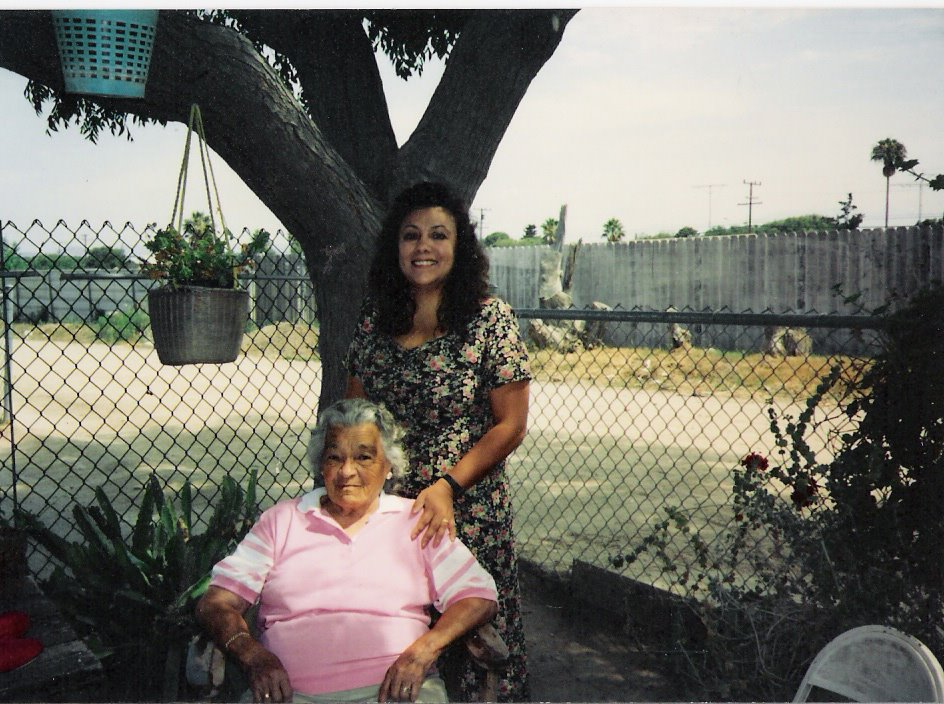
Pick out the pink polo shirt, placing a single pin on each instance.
(338, 610)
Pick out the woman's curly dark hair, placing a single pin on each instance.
(467, 284)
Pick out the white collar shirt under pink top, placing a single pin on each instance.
(337, 609)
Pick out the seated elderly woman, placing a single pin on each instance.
(343, 592)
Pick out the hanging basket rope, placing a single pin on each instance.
(196, 122)
(197, 324)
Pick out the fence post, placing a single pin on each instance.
(6, 413)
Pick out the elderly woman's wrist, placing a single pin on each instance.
(233, 638)
(242, 647)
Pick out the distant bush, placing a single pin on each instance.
(121, 326)
(495, 238)
(102, 257)
(524, 242)
(800, 223)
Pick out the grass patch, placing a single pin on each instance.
(294, 342)
(57, 332)
(693, 371)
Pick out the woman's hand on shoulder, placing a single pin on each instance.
(437, 516)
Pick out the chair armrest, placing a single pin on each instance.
(486, 647)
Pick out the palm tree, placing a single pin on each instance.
(613, 230)
(890, 152)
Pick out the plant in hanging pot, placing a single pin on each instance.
(199, 314)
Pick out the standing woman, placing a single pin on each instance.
(447, 360)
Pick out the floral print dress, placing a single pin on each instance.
(439, 392)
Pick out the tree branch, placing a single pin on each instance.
(252, 120)
(494, 60)
(341, 85)
(28, 46)
(908, 165)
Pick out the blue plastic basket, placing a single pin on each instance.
(105, 52)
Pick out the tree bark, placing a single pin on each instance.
(326, 175)
(491, 66)
(355, 118)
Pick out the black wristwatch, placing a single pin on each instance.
(457, 489)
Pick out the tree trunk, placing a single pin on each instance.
(314, 169)
(888, 185)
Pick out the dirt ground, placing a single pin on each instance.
(596, 468)
(575, 657)
(91, 415)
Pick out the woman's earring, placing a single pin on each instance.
(389, 475)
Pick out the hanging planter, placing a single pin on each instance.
(105, 52)
(199, 314)
(197, 325)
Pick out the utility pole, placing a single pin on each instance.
(751, 202)
(710, 186)
(482, 222)
(920, 186)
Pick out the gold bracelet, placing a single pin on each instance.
(238, 634)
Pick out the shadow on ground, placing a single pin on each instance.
(573, 657)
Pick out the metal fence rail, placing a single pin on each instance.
(617, 431)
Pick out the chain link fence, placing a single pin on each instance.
(647, 410)
(86, 402)
(623, 437)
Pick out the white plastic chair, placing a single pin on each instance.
(875, 664)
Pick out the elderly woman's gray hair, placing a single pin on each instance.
(356, 411)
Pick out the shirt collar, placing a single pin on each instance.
(311, 501)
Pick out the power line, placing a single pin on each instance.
(920, 186)
(751, 202)
(710, 186)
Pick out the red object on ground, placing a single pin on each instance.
(13, 624)
(18, 651)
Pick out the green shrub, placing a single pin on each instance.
(819, 548)
(132, 596)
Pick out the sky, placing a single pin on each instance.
(655, 116)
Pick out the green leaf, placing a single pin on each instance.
(193, 592)
(96, 539)
(143, 532)
(250, 504)
(137, 598)
(111, 524)
(59, 548)
(186, 506)
(168, 522)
